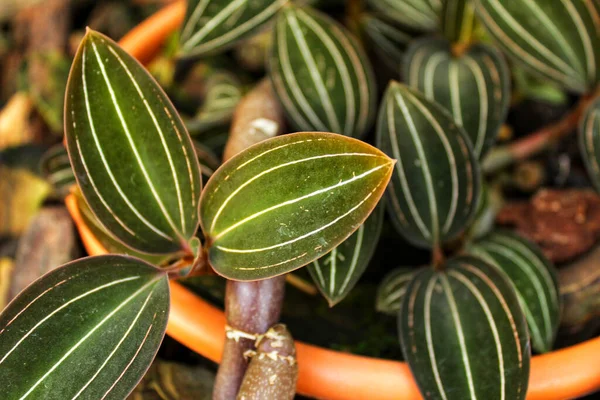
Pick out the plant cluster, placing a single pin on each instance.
(467, 322)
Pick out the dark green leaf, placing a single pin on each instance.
(557, 39)
(287, 201)
(458, 20)
(463, 333)
(535, 280)
(338, 272)
(89, 329)
(416, 14)
(589, 141)
(212, 26)
(392, 289)
(436, 183)
(320, 74)
(474, 88)
(131, 154)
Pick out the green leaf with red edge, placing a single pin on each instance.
(287, 201)
(89, 329)
(131, 154)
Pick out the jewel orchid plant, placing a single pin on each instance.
(467, 321)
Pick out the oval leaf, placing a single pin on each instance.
(392, 289)
(463, 333)
(589, 141)
(416, 14)
(557, 39)
(287, 201)
(131, 154)
(474, 88)
(535, 280)
(89, 329)
(458, 20)
(211, 26)
(320, 74)
(338, 272)
(436, 182)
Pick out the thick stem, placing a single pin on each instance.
(251, 308)
(536, 142)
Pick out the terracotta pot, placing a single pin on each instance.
(328, 374)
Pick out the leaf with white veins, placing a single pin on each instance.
(132, 157)
(336, 273)
(87, 330)
(287, 201)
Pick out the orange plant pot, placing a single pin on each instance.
(323, 373)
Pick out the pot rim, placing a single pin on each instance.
(324, 373)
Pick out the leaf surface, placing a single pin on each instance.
(436, 183)
(589, 141)
(463, 333)
(212, 26)
(132, 157)
(474, 88)
(89, 329)
(535, 279)
(392, 289)
(321, 75)
(289, 200)
(559, 40)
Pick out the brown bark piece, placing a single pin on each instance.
(564, 223)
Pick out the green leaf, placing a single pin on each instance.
(320, 74)
(436, 183)
(458, 20)
(287, 201)
(557, 39)
(89, 329)
(589, 138)
(463, 333)
(211, 26)
(56, 168)
(336, 273)
(131, 154)
(392, 289)
(535, 280)
(416, 14)
(474, 88)
(388, 41)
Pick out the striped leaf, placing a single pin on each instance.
(320, 74)
(458, 20)
(56, 168)
(336, 273)
(463, 333)
(416, 14)
(289, 200)
(535, 280)
(436, 183)
(589, 141)
(388, 41)
(87, 330)
(557, 39)
(392, 289)
(211, 26)
(474, 88)
(133, 159)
